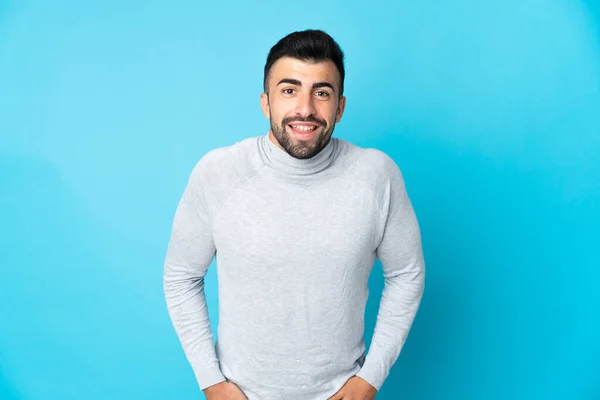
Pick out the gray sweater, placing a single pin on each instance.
(295, 242)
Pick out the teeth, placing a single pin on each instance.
(304, 128)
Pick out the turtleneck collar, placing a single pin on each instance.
(283, 162)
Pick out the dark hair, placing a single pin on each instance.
(310, 45)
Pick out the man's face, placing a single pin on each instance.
(303, 105)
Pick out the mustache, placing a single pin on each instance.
(289, 120)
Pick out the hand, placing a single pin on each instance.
(356, 388)
(224, 391)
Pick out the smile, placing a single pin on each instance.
(304, 132)
(304, 128)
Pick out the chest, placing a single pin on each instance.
(292, 232)
(293, 255)
(296, 219)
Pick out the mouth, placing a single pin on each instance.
(304, 130)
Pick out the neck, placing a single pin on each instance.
(281, 160)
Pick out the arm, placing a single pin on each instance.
(190, 252)
(401, 256)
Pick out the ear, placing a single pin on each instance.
(340, 110)
(264, 105)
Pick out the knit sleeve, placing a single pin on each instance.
(190, 252)
(400, 252)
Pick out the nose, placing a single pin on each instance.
(305, 106)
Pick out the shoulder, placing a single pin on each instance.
(221, 169)
(238, 156)
(370, 165)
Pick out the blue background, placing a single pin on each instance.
(491, 109)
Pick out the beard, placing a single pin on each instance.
(302, 149)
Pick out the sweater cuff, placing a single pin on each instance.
(373, 371)
(208, 376)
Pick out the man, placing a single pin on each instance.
(296, 220)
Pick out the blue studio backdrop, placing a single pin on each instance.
(490, 108)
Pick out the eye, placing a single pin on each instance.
(288, 91)
(322, 93)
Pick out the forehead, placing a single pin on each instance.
(304, 71)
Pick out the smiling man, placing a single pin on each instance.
(296, 220)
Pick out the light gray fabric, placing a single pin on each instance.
(295, 242)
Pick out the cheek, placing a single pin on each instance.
(329, 113)
(280, 111)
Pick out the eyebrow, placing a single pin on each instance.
(315, 85)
